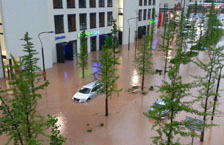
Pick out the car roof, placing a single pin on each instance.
(160, 102)
(90, 85)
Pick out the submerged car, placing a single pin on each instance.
(88, 91)
(159, 115)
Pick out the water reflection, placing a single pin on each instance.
(155, 43)
(66, 75)
(169, 57)
(61, 122)
(135, 78)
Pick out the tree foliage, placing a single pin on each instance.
(108, 74)
(114, 39)
(83, 53)
(19, 119)
(167, 39)
(144, 59)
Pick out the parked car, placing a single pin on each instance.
(159, 115)
(88, 91)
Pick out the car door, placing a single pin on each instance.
(94, 92)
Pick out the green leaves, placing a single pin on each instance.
(83, 53)
(108, 71)
(144, 58)
(19, 119)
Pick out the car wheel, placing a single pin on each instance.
(88, 99)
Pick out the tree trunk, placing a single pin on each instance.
(83, 72)
(206, 104)
(216, 96)
(166, 59)
(171, 128)
(106, 106)
(143, 81)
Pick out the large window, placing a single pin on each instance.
(150, 2)
(154, 2)
(82, 3)
(145, 2)
(92, 20)
(140, 2)
(109, 3)
(71, 23)
(144, 14)
(139, 15)
(92, 3)
(101, 19)
(59, 24)
(101, 3)
(57, 4)
(109, 18)
(149, 14)
(70, 3)
(82, 20)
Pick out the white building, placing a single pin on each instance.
(67, 18)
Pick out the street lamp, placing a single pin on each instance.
(42, 51)
(130, 30)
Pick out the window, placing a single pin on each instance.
(70, 3)
(144, 15)
(82, 3)
(57, 4)
(71, 23)
(101, 19)
(92, 20)
(140, 2)
(82, 20)
(101, 3)
(145, 2)
(92, 3)
(139, 15)
(150, 2)
(59, 24)
(109, 3)
(154, 2)
(109, 18)
(149, 14)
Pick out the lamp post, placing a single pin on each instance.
(130, 30)
(42, 52)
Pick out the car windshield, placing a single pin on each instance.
(158, 105)
(84, 90)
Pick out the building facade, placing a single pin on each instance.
(68, 19)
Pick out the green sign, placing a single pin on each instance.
(153, 21)
(89, 34)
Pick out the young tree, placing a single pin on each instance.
(175, 92)
(83, 53)
(220, 59)
(144, 59)
(20, 120)
(192, 35)
(108, 72)
(167, 41)
(115, 42)
(207, 85)
(195, 7)
(152, 30)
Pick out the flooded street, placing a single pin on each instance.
(126, 124)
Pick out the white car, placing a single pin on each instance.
(88, 91)
(158, 115)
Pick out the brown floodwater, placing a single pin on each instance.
(126, 124)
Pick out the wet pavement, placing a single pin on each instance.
(126, 124)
